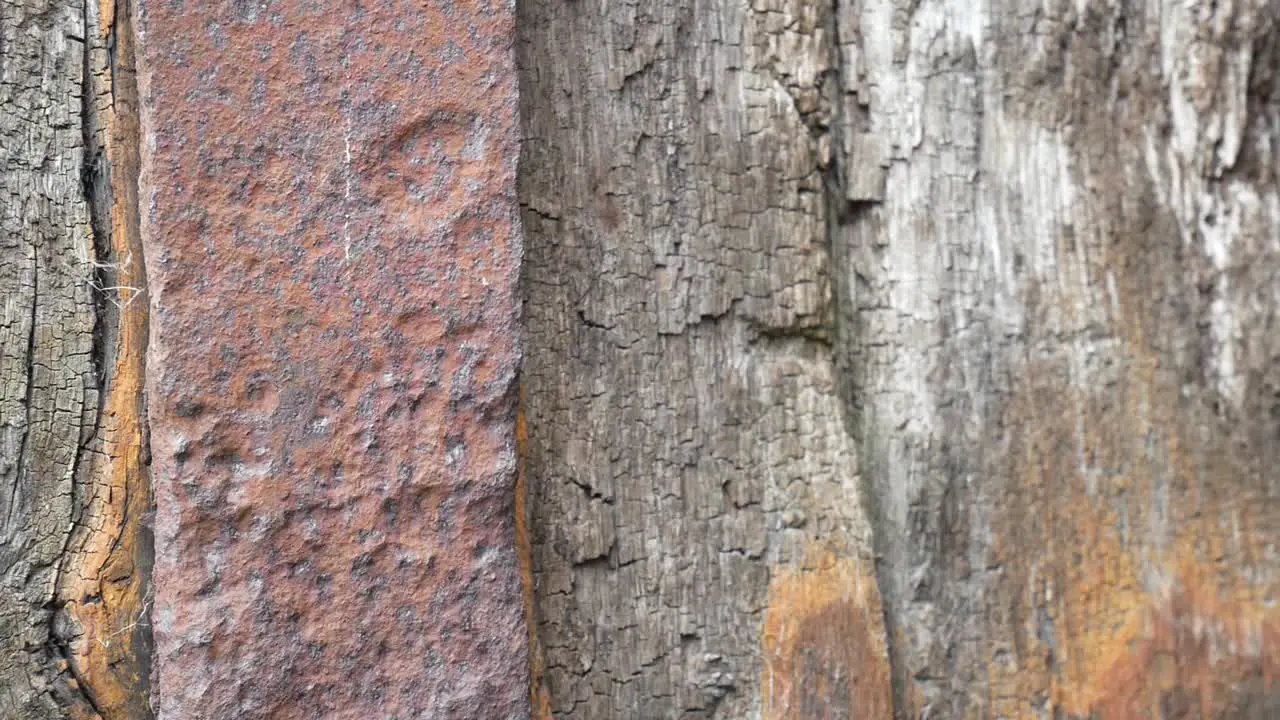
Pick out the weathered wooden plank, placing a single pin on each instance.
(1054, 236)
(699, 542)
(1060, 319)
(48, 391)
(332, 245)
(105, 587)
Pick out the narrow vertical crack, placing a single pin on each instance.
(20, 467)
(61, 637)
(55, 360)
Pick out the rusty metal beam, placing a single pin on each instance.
(331, 236)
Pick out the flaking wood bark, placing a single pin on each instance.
(1016, 262)
(73, 630)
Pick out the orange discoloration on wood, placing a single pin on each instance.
(1204, 652)
(824, 643)
(106, 586)
(539, 699)
(107, 17)
(1133, 577)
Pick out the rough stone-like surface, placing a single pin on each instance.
(332, 243)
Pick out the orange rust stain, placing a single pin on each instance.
(106, 16)
(540, 700)
(1202, 653)
(1132, 583)
(106, 582)
(824, 648)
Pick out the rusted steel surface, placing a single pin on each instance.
(332, 246)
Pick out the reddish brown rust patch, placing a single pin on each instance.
(331, 233)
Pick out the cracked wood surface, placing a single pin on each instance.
(106, 591)
(74, 560)
(48, 388)
(1050, 236)
(989, 289)
(1059, 305)
(698, 537)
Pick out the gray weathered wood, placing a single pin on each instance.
(1059, 320)
(48, 397)
(694, 491)
(1037, 283)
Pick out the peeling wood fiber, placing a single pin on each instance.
(332, 245)
(1058, 318)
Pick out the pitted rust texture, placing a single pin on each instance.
(332, 242)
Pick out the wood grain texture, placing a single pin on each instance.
(106, 588)
(688, 458)
(1058, 317)
(48, 388)
(989, 287)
